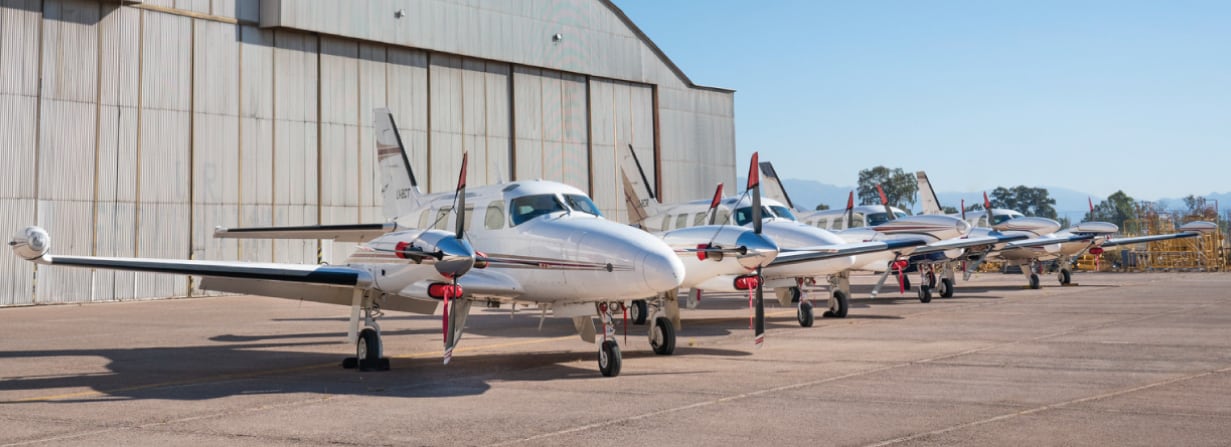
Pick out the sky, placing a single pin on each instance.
(1096, 96)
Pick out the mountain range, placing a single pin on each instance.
(806, 194)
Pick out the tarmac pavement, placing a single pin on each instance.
(1121, 359)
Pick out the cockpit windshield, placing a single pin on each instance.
(875, 219)
(743, 216)
(1001, 218)
(783, 212)
(582, 204)
(525, 208)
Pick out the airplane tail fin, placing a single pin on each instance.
(772, 186)
(400, 188)
(638, 195)
(927, 195)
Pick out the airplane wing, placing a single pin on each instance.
(806, 254)
(1144, 239)
(340, 233)
(1049, 240)
(974, 241)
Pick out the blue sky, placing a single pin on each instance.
(1094, 96)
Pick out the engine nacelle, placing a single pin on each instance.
(31, 243)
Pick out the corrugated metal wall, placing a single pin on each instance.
(157, 122)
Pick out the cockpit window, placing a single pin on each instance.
(899, 214)
(529, 207)
(783, 212)
(1000, 218)
(744, 215)
(875, 219)
(582, 203)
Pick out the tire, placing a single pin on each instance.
(925, 295)
(368, 351)
(638, 311)
(839, 304)
(946, 288)
(609, 359)
(796, 294)
(1034, 281)
(1065, 276)
(662, 337)
(803, 314)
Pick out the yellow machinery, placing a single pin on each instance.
(1207, 252)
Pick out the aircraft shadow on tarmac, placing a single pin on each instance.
(233, 368)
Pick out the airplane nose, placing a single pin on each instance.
(662, 270)
(761, 250)
(456, 257)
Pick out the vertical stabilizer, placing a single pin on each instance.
(399, 187)
(638, 195)
(927, 195)
(771, 185)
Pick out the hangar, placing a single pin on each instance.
(134, 128)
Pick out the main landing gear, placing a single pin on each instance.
(368, 353)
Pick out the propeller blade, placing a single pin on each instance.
(713, 211)
(885, 202)
(460, 207)
(850, 210)
(760, 311)
(754, 188)
(987, 208)
(963, 209)
(444, 325)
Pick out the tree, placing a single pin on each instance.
(822, 207)
(949, 210)
(1026, 200)
(899, 186)
(1116, 209)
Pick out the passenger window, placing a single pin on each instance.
(723, 216)
(442, 219)
(494, 219)
(700, 219)
(423, 217)
(681, 221)
(666, 221)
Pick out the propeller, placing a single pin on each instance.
(713, 211)
(754, 188)
(459, 207)
(963, 209)
(850, 210)
(987, 207)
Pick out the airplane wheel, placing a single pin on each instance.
(925, 295)
(839, 303)
(1034, 281)
(796, 294)
(1065, 276)
(609, 359)
(638, 312)
(946, 288)
(662, 338)
(803, 313)
(367, 351)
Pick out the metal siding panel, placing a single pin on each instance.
(18, 135)
(121, 50)
(20, 22)
(408, 101)
(339, 80)
(68, 223)
(474, 99)
(602, 118)
(159, 235)
(66, 151)
(372, 93)
(166, 62)
(256, 250)
(446, 122)
(294, 158)
(294, 251)
(16, 274)
(113, 228)
(216, 163)
(215, 77)
(497, 91)
(256, 72)
(295, 77)
(339, 166)
(70, 50)
(256, 161)
(164, 157)
(528, 105)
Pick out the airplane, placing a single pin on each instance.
(1050, 243)
(805, 252)
(545, 243)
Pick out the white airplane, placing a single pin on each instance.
(806, 252)
(545, 242)
(1049, 241)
